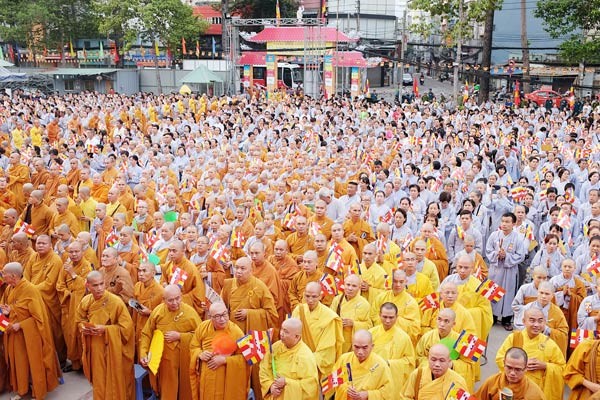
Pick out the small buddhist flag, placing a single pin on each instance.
(334, 258)
(238, 240)
(212, 296)
(456, 393)
(22, 226)
(431, 301)
(470, 346)
(491, 290)
(315, 228)
(328, 284)
(179, 277)
(332, 381)
(594, 266)
(579, 335)
(4, 323)
(112, 238)
(246, 345)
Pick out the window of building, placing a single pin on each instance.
(89, 86)
(215, 20)
(69, 85)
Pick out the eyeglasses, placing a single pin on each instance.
(220, 316)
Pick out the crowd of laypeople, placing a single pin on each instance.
(286, 247)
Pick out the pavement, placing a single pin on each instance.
(445, 88)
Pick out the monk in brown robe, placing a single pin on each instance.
(266, 272)
(64, 216)
(71, 289)
(308, 273)
(217, 373)
(28, 344)
(99, 189)
(21, 249)
(436, 252)
(54, 180)
(43, 270)
(177, 321)
(110, 173)
(101, 226)
(192, 287)
(251, 305)
(357, 231)
(7, 231)
(129, 252)
(300, 242)
(320, 222)
(7, 197)
(18, 175)
(582, 372)
(149, 294)
(513, 377)
(286, 267)
(107, 336)
(38, 214)
(116, 278)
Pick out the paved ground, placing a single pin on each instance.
(438, 88)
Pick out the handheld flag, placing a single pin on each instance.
(579, 335)
(4, 323)
(334, 258)
(212, 296)
(183, 46)
(332, 381)
(431, 301)
(277, 12)
(594, 266)
(179, 277)
(246, 345)
(22, 226)
(238, 240)
(456, 393)
(328, 284)
(112, 238)
(470, 346)
(491, 290)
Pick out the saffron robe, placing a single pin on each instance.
(372, 375)
(409, 317)
(428, 388)
(396, 348)
(358, 310)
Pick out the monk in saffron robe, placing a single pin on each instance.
(319, 222)
(28, 344)
(436, 252)
(107, 340)
(286, 268)
(570, 292)
(322, 329)
(177, 321)
(353, 309)
(300, 242)
(446, 321)
(116, 278)
(149, 294)
(372, 274)
(433, 380)
(216, 371)
(557, 328)
(357, 231)
(409, 317)
(582, 373)
(309, 273)
(21, 249)
(371, 375)
(100, 228)
(192, 287)
(424, 265)
(297, 376)
(64, 216)
(99, 189)
(546, 361)
(478, 306)
(448, 296)
(513, 377)
(393, 345)
(71, 289)
(43, 271)
(264, 271)
(251, 305)
(129, 252)
(18, 175)
(37, 214)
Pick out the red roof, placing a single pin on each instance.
(298, 34)
(252, 58)
(208, 12)
(349, 59)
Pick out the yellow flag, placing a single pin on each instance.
(156, 47)
(71, 51)
(155, 351)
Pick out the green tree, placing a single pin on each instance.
(162, 21)
(580, 21)
(263, 8)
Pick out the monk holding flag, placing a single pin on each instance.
(369, 375)
(321, 328)
(217, 368)
(353, 309)
(177, 321)
(107, 337)
(28, 345)
(289, 371)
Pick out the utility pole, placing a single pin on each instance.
(357, 15)
(402, 50)
(486, 54)
(525, 46)
(458, 61)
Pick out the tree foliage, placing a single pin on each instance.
(579, 20)
(448, 11)
(264, 8)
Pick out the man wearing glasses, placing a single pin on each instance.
(513, 378)
(217, 368)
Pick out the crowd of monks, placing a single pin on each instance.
(161, 230)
